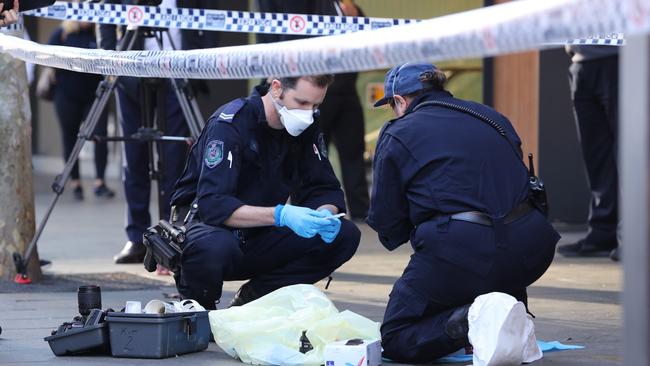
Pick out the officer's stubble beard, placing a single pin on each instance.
(272, 116)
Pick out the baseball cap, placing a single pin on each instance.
(404, 79)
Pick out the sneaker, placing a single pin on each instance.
(104, 191)
(78, 193)
(584, 249)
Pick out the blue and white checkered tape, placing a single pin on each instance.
(13, 29)
(612, 39)
(213, 20)
(505, 28)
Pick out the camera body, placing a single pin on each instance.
(163, 243)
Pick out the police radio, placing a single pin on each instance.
(537, 188)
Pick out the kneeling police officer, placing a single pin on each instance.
(449, 177)
(252, 156)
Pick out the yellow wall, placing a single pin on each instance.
(467, 85)
(418, 9)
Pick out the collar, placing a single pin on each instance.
(430, 95)
(256, 101)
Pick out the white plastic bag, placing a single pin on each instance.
(267, 331)
(501, 332)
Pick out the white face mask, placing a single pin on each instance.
(295, 121)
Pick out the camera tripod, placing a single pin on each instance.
(147, 133)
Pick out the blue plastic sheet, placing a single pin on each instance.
(554, 346)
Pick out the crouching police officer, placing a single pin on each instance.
(252, 156)
(449, 176)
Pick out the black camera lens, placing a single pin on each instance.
(89, 297)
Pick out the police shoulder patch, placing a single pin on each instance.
(213, 154)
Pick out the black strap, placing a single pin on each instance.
(480, 116)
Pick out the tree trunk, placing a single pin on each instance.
(16, 188)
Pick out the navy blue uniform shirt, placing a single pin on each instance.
(239, 160)
(441, 161)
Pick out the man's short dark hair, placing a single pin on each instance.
(320, 81)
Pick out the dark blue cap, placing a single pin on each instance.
(404, 79)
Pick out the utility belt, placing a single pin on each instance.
(481, 218)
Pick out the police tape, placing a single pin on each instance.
(13, 29)
(611, 39)
(213, 20)
(510, 27)
(237, 21)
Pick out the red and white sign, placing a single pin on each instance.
(297, 23)
(135, 15)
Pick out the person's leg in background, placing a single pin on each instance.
(608, 92)
(174, 153)
(137, 185)
(70, 115)
(349, 138)
(594, 90)
(342, 122)
(101, 152)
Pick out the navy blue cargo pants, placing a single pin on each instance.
(454, 262)
(271, 259)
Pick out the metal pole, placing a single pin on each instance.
(635, 170)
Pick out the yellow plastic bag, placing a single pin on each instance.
(267, 331)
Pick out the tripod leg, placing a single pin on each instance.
(104, 91)
(189, 106)
(186, 98)
(161, 124)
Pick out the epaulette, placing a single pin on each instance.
(230, 110)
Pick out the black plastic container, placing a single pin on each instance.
(91, 340)
(158, 335)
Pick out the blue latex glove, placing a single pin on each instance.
(329, 232)
(303, 221)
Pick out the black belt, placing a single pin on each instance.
(481, 218)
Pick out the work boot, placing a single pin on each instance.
(615, 254)
(457, 325)
(131, 253)
(245, 295)
(583, 248)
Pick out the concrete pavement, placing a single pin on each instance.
(577, 301)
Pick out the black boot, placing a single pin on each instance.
(131, 253)
(457, 326)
